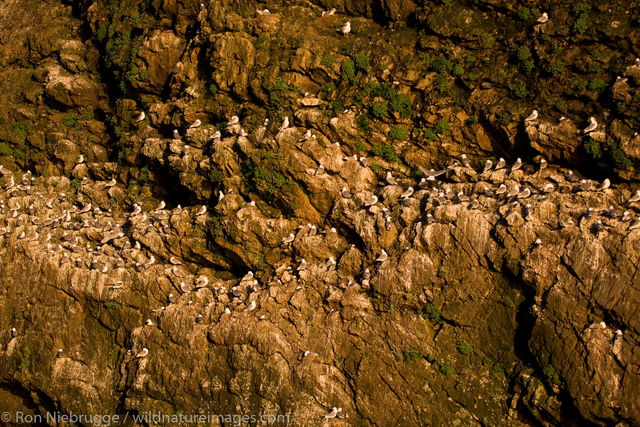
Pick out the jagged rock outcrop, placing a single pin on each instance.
(306, 256)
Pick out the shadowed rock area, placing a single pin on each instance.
(235, 208)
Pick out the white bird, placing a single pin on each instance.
(141, 117)
(517, 165)
(524, 194)
(333, 413)
(371, 200)
(544, 18)
(308, 353)
(175, 261)
(390, 179)
(202, 281)
(142, 353)
(263, 12)
(80, 159)
(302, 265)
(136, 209)
(284, 125)
(382, 257)
(501, 163)
(247, 276)
(319, 170)
(487, 166)
(532, 116)
(176, 134)
(195, 124)
(465, 161)
(344, 192)
(593, 124)
(202, 210)
(161, 205)
(251, 306)
(346, 28)
(289, 239)
(234, 120)
(110, 183)
(635, 197)
(605, 184)
(329, 12)
(543, 164)
(409, 191)
(149, 322)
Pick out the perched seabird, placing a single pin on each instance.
(202, 210)
(514, 191)
(141, 117)
(371, 200)
(329, 12)
(605, 184)
(302, 265)
(308, 353)
(543, 18)
(234, 120)
(584, 185)
(198, 318)
(548, 188)
(202, 281)
(572, 177)
(346, 28)
(524, 193)
(142, 353)
(195, 124)
(161, 205)
(333, 413)
(635, 198)
(543, 164)
(263, 12)
(597, 227)
(461, 197)
(289, 239)
(532, 116)
(593, 124)
(408, 192)
(382, 257)
(171, 298)
(284, 125)
(175, 261)
(634, 225)
(176, 134)
(588, 213)
(136, 209)
(59, 353)
(319, 170)
(465, 161)
(251, 306)
(390, 179)
(110, 183)
(14, 332)
(487, 166)
(247, 276)
(501, 163)
(344, 192)
(517, 165)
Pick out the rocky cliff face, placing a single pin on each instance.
(225, 209)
